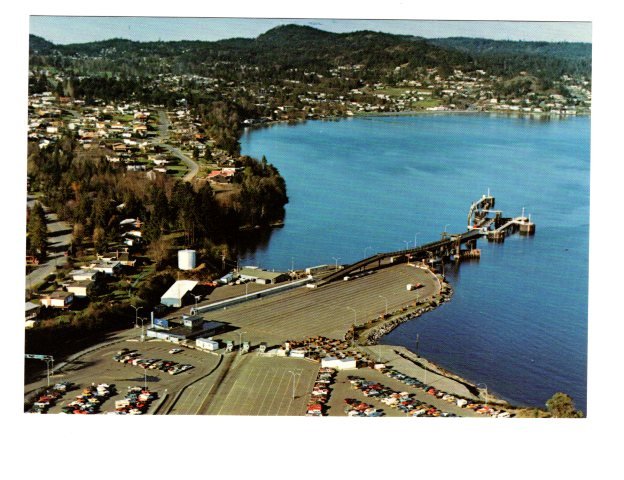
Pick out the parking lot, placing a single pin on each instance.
(342, 389)
(99, 367)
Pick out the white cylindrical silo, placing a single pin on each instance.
(186, 259)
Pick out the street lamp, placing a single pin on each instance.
(142, 329)
(293, 378)
(136, 315)
(371, 248)
(336, 259)
(406, 244)
(415, 238)
(386, 299)
(197, 297)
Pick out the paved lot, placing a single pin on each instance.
(342, 389)
(99, 367)
(264, 386)
(327, 311)
(228, 384)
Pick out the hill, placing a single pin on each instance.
(295, 46)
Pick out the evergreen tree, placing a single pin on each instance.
(37, 231)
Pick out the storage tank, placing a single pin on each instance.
(186, 259)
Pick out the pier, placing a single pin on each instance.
(480, 224)
(508, 226)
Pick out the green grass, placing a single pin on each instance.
(426, 103)
(123, 118)
(177, 170)
(391, 91)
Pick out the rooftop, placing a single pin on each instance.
(180, 288)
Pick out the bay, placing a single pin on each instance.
(518, 319)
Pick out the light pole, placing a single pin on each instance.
(293, 378)
(142, 330)
(336, 259)
(386, 299)
(196, 300)
(406, 244)
(136, 315)
(371, 248)
(240, 342)
(415, 238)
(444, 233)
(486, 392)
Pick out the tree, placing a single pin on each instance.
(160, 250)
(78, 234)
(183, 202)
(37, 231)
(561, 405)
(99, 239)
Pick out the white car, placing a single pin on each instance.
(175, 350)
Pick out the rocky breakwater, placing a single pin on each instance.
(370, 333)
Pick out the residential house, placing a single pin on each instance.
(57, 299)
(84, 275)
(81, 289)
(106, 267)
(224, 175)
(119, 147)
(32, 310)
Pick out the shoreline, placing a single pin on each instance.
(371, 336)
(409, 113)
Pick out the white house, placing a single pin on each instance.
(58, 299)
(106, 267)
(82, 275)
(31, 311)
(80, 289)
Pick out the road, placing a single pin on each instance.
(59, 238)
(163, 134)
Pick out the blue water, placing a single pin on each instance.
(518, 319)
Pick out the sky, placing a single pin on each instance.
(76, 29)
